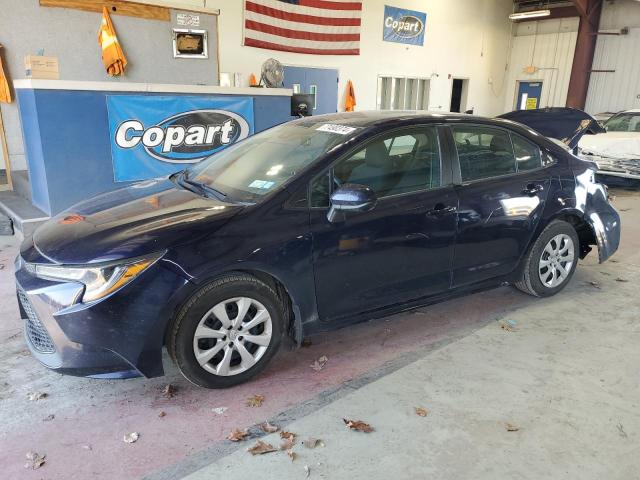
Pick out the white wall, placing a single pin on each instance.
(612, 92)
(464, 38)
(549, 46)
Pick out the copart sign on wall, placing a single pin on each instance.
(155, 136)
(404, 26)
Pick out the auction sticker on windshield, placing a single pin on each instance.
(335, 128)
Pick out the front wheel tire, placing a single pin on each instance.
(551, 261)
(227, 332)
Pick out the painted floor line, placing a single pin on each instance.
(209, 455)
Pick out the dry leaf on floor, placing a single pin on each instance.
(319, 363)
(291, 454)
(305, 343)
(34, 460)
(131, 437)
(289, 439)
(606, 274)
(219, 410)
(162, 414)
(169, 391)
(288, 443)
(621, 430)
(266, 427)
(613, 260)
(261, 448)
(48, 418)
(506, 327)
(594, 284)
(35, 396)
(237, 435)
(621, 280)
(421, 412)
(358, 425)
(307, 471)
(511, 427)
(313, 442)
(255, 401)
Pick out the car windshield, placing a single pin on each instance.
(624, 122)
(252, 168)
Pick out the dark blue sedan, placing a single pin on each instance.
(305, 227)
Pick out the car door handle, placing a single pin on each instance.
(441, 209)
(533, 188)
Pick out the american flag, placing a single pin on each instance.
(317, 27)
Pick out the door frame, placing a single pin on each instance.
(465, 92)
(321, 68)
(5, 155)
(516, 98)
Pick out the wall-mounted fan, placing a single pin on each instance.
(272, 74)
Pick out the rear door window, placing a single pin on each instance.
(527, 154)
(483, 152)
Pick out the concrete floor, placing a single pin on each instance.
(567, 376)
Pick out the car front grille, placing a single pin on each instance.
(37, 333)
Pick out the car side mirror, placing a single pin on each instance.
(350, 198)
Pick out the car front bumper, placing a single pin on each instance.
(120, 336)
(612, 169)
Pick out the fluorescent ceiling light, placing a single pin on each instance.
(531, 14)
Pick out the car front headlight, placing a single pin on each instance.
(98, 281)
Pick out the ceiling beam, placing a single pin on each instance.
(582, 6)
(588, 9)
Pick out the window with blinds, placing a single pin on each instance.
(403, 93)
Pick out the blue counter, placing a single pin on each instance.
(66, 132)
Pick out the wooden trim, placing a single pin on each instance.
(176, 5)
(115, 7)
(218, 47)
(5, 152)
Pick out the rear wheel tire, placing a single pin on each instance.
(227, 332)
(551, 261)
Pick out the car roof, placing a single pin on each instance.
(373, 118)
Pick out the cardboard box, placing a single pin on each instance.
(41, 67)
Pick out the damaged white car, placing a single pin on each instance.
(614, 146)
(617, 151)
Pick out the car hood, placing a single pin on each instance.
(622, 145)
(565, 124)
(138, 220)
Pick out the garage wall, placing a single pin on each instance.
(549, 46)
(620, 90)
(72, 36)
(464, 38)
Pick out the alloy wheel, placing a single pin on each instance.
(232, 336)
(556, 261)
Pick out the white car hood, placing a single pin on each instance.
(622, 145)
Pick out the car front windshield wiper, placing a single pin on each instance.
(203, 188)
